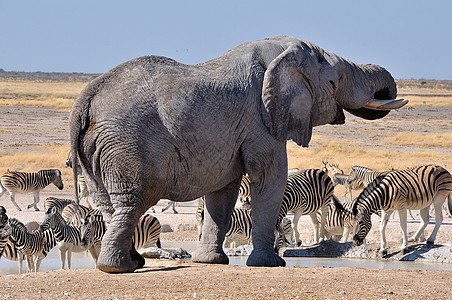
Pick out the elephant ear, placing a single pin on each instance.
(288, 92)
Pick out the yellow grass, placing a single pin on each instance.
(442, 140)
(349, 155)
(46, 158)
(52, 94)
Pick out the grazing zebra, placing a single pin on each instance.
(306, 192)
(68, 237)
(30, 245)
(342, 179)
(413, 188)
(239, 230)
(339, 220)
(171, 203)
(20, 182)
(83, 192)
(146, 233)
(200, 216)
(284, 238)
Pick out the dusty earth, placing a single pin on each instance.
(175, 279)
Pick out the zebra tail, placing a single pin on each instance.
(158, 243)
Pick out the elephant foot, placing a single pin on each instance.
(265, 259)
(210, 256)
(115, 261)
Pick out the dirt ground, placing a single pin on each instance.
(173, 279)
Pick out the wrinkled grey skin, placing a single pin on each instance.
(153, 128)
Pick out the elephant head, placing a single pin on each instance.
(306, 86)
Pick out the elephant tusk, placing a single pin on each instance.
(378, 104)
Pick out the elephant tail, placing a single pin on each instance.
(79, 121)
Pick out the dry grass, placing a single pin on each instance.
(54, 94)
(348, 155)
(438, 140)
(49, 158)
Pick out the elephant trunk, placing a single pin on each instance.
(369, 89)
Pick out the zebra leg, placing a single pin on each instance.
(383, 222)
(315, 225)
(403, 225)
(35, 201)
(94, 252)
(324, 211)
(174, 207)
(438, 203)
(63, 257)
(12, 197)
(20, 260)
(217, 215)
(296, 233)
(418, 236)
(345, 234)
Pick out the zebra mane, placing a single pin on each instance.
(366, 192)
(49, 172)
(338, 204)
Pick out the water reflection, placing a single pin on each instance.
(84, 260)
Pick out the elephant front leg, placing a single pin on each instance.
(217, 215)
(265, 207)
(115, 254)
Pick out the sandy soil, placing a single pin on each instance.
(172, 279)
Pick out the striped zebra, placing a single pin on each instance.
(239, 229)
(20, 182)
(146, 233)
(339, 220)
(73, 214)
(59, 203)
(364, 174)
(28, 245)
(306, 192)
(68, 237)
(199, 215)
(83, 192)
(414, 188)
(245, 190)
(342, 179)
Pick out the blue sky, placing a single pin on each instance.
(412, 39)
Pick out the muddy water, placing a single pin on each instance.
(84, 260)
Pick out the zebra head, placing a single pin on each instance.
(87, 231)
(57, 180)
(283, 234)
(3, 217)
(13, 228)
(50, 219)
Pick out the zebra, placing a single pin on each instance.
(342, 179)
(73, 214)
(306, 192)
(68, 237)
(59, 203)
(20, 182)
(412, 188)
(83, 192)
(339, 220)
(199, 215)
(239, 229)
(146, 233)
(364, 174)
(171, 203)
(245, 190)
(28, 245)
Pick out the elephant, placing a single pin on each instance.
(153, 128)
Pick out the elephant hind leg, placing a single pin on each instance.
(217, 214)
